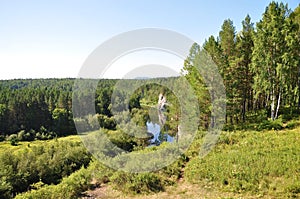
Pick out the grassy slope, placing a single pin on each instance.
(243, 165)
(260, 163)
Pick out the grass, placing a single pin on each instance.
(5, 145)
(260, 163)
(244, 164)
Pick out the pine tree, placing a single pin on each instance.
(242, 81)
(192, 73)
(227, 38)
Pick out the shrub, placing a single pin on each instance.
(271, 125)
(70, 187)
(137, 183)
(42, 163)
(2, 138)
(292, 124)
(145, 183)
(294, 189)
(13, 139)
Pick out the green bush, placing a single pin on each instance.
(100, 173)
(294, 189)
(13, 139)
(70, 187)
(2, 138)
(122, 140)
(292, 124)
(137, 183)
(106, 122)
(271, 125)
(45, 162)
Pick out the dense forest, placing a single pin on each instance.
(260, 67)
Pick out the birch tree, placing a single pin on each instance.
(273, 62)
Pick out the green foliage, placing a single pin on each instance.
(137, 183)
(259, 66)
(44, 162)
(274, 60)
(63, 120)
(122, 140)
(174, 171)
(271, 125)
(293, 189)
(2, 138)
(106, 122)
(293, 124)
(69, 188)
(13, 139)
(255, 162)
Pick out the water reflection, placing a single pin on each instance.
(158, 136)
(155, 128)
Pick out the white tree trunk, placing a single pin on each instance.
(272, 105)
(278, 104)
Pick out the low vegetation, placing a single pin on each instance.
(244, 163)
(34, 164)
(262, 163)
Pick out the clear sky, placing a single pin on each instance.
(44, 39)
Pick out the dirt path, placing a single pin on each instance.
(183, 190)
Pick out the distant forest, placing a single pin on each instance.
(42, 108)
(260, 67)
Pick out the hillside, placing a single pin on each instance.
(245, 164)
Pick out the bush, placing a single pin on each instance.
(271, 125)
(121, 140)
(45, 135)
(2, 138)
(293, 189)
(70, 187)
(100, 173)
(106, 122)
(26, 136)
(293, 124)
(42, 163)
(13, 139)
(137, 183)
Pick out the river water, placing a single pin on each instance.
(158, 136)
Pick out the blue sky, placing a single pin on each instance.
(40, 39)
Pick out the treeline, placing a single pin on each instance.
(42, 108)
(260, 65)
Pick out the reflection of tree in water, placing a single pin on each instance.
(155, 128)
(162, 102)
(162, 117)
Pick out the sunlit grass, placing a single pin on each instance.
(265, 163)
(5, 145)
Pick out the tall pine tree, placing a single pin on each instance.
(240, 64)
(227, 38)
